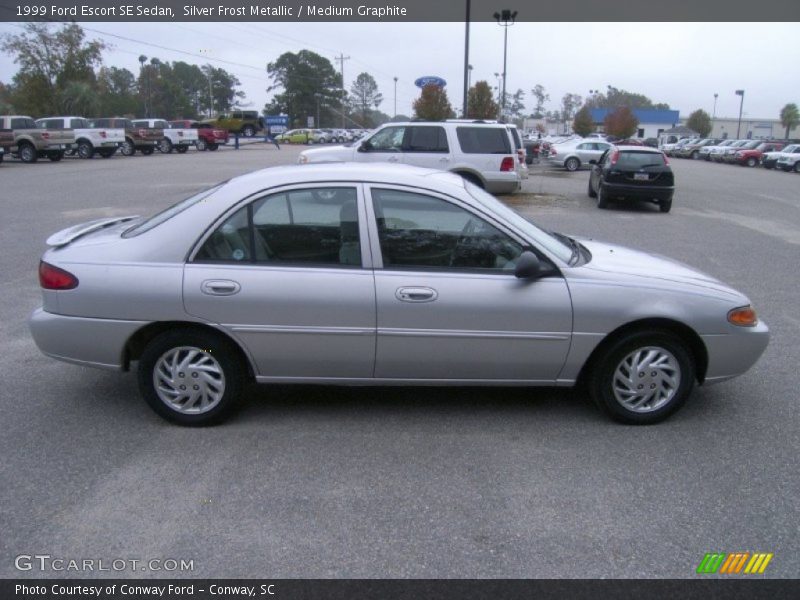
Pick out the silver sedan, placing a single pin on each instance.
(574, 154)
(382, 275)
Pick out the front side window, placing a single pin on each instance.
(316, 226)
(416, 231)
(389, 139)
(426, 139)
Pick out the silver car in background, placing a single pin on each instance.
(574, 154)
(381, 275)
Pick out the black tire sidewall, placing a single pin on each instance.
(223, 351)
(600, 384)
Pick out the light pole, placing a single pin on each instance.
(741, 104)
(505, 19)
(317, 95)
(499, 87)
(142, 60)
(467, 67)
(469, 77)
(395, 96)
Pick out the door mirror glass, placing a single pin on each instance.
(365, 146)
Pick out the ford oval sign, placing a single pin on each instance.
(430, 80)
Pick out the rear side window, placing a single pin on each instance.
(426, 139)
(312, 227)
(23, 123)
(515, 135)
(483, 140)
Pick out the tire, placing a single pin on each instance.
(665, 205)
(181, 149)
(164, 146)
(616, 389)
(248, 131)
(55, 156)
(695, 155)
(147, 150)
(602, 198)
(219, 377)
(591, 192)
(127, 149)
(202, 145)
(751, 162)
(1, 157)
(767, 166)
(572, 164)
(107, 153)
(797, 167)
(27, 153)
(85, 149)
(213, 147)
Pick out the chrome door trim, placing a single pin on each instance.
(294, 329)
(470, 333)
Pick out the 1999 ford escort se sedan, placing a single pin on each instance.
(381, 275)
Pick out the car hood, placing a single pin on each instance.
(332, 154)
(619, 260)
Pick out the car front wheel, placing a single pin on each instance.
(202, 144)
(191, 377)
(591, 192)
(643, 377)
(128, 149)
(572, 164)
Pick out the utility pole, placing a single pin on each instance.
(341, 58)
(467, 66)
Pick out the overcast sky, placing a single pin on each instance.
(682, 64)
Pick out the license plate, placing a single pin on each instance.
(641, 176)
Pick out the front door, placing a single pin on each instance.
(449, 305)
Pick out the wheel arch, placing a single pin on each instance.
(138, 341)
(470, 175)
(685, 333)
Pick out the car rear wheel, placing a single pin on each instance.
(27, 153)
(128, 149)
(572, 164)
(55, 156)
(248, 131)
(643, 377)
(85, 149)
(602, 196)
(148, 150)
(191, 377)
(165, 146)
(752, 162)
(202, 144)
(665, 205)
(181, 149)
(213, 147)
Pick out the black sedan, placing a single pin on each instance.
(632, 173)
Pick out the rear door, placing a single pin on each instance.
(426, 146)
(289, 275)
(449, 306)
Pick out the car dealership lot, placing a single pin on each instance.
(406, 482)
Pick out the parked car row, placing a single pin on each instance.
(54, 137)
(770, 154)
(321, 136)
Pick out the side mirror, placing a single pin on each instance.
(528, 266)
(365, 146)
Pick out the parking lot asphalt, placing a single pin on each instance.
(406, 482)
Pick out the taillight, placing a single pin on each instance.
(53, 278)
(553, 151)
(615, 156)
(507, 164)
(45, 135)
(103, 134)
(142, 132)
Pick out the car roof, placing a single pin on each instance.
(632, 148)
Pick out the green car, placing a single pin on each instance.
(243, 122)
(301, 136)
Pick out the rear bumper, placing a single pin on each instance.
(638, 192)
(96, 343)
(504, 185)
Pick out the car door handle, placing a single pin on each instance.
(392, 159)
(220, 287)
(444, 159)
(416, 294)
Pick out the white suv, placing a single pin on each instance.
(484, 153)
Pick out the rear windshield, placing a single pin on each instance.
(483, 140)
(168, 213)
(637, 160)
(23, 123)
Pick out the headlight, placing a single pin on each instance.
(744, 316)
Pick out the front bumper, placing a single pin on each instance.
(731, 355)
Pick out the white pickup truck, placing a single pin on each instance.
(174, 139)
(89, 140)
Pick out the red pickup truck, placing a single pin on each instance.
(752, 156)
(208, 136)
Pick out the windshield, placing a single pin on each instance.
(543, 238)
